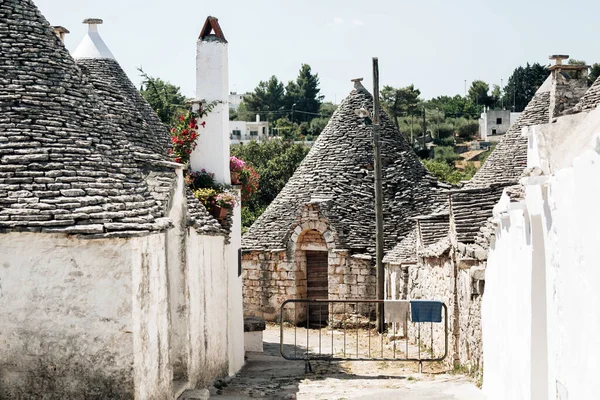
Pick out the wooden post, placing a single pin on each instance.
(378, 199)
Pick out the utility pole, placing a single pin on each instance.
(424, 129)
(378, 200)
(412, 141)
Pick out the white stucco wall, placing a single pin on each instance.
(506, 311)
(208, 286)
(539, 313)
(235, 307)
(65, 315)
(212, 84)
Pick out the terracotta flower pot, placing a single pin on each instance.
(219, 212)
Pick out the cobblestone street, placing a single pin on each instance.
(268, 375)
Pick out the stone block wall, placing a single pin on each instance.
(271, 277)
(433, 279)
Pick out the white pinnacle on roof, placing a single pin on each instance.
(92, 45)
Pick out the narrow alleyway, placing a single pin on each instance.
(267, 375)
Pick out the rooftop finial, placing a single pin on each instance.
(60, 31)
(93, 21)
(357, 83)
(92, 45)
(558, 58)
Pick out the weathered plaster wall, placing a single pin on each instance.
(151, 323)
(396, 281)
(178, 284)
(469, 293)
(66, 325)
(208, 288)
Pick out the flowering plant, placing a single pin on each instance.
(249, 180)
(206, 196)
(226, 200)
(236, 164)
(184, 135)
(185, 131)
(202, 179)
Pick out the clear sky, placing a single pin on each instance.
(434, 44)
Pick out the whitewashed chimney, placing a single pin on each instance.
(257, 117)
(212, 84)
(92, 45)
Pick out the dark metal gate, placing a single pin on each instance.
(350, 333)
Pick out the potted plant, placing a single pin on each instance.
(206, 196)
(202, 179)
(236, 168)
(223, 203)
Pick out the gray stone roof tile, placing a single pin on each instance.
(404, 252)
(471, 208)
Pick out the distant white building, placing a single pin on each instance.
(235, 100)
(244, 132)
(494, 123)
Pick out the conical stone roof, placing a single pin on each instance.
(149, 137)
(66, 163)
(338, 173)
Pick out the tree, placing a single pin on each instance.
(327, 109)
(457, 106)
(594, 72)
(267, 97)
(522, 85)
(165, 98)
(478, 93)
(400, 101)
(275, 161)
(445, 172)
(304, 95)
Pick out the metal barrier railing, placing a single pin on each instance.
(349, 322)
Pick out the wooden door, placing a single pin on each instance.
(317, 286)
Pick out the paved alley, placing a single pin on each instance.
(267, 375)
